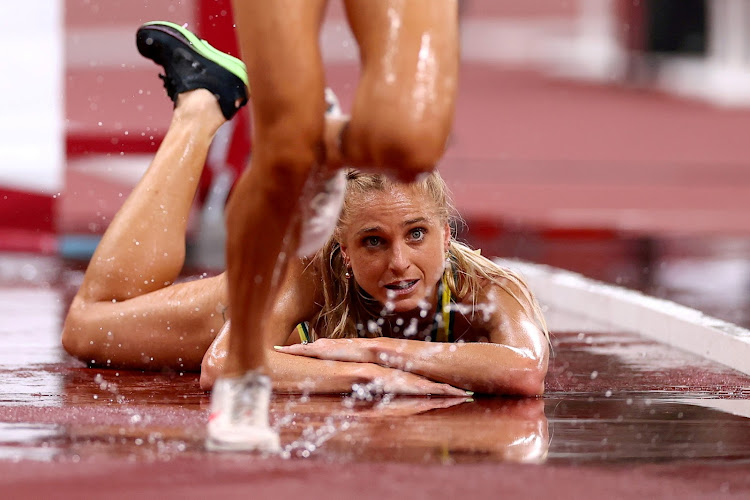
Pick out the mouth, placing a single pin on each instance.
(402, 287)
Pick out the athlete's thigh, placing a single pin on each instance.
(172, 326)
(279, 43)
(409, 52)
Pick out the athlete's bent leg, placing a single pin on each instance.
(143, 249)
(125, 314)
(404, 104)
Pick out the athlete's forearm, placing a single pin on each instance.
(295, 374)
(301, 374)
(481, 367)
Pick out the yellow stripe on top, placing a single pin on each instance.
(445, 327)
(304, 333)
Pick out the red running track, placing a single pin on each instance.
(623, 417)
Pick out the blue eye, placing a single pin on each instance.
(417, 234)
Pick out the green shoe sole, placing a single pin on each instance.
(202, 47)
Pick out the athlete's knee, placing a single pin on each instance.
(288, 152)
(75, 339)
(410, 155)
(406, 150)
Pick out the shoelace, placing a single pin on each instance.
(169, 85)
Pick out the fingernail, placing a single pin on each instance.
(278, 347)
(469, 393)
(469, 400)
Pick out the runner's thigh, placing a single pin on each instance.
(409, 52)
(279, 43)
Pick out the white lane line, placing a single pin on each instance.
(588, 302)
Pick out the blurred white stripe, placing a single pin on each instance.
(31, 118)
(482, 40)
(103, 47)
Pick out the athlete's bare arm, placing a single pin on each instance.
(511, 360)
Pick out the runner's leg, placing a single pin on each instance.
(125, 313)
(404, 104)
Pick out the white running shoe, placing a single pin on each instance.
(323, 212)
(333, 108)
(239, 415)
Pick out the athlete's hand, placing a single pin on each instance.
(380, 370)
(352, 350)
(394, 381)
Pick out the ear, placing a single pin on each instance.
(344, 255)
(446, 237)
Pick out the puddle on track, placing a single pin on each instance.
(612, 398)
(648, 403)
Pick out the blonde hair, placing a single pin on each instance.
(346, 307)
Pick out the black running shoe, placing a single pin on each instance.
(190, 63)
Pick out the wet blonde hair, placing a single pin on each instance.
(346, 307)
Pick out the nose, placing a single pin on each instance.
(399, 258)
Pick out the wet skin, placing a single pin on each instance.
(400, 121)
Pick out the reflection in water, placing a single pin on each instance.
(642, 429)
(30, 333)
(426, 430)
(26, 441)
(155, 415)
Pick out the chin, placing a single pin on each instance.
(405, 308)
(407, 305)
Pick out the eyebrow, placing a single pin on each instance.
(366, 230)
(375, 229)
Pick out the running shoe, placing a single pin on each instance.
(190, 63)
(324, 209)
(333, 108)
(238, 420)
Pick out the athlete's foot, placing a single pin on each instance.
(329, 188)
(239, 415)
(190, 63)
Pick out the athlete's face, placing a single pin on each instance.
(396, 244)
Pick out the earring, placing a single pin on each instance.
(347, 274)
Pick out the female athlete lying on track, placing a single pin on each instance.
(393, 300)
